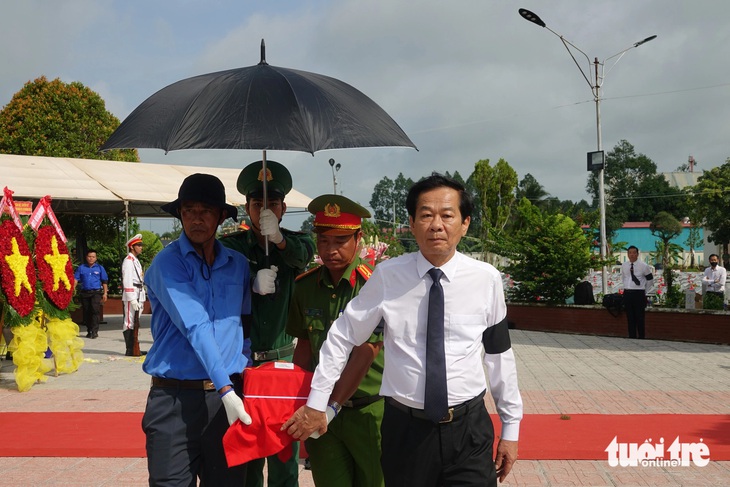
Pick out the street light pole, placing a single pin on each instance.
(595, 81)
(335, 169)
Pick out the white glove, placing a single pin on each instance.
(135, 305)
(265, 281)
(269, 225)
(330, 416)
(234, 408)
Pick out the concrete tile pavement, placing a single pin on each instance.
(558, 373)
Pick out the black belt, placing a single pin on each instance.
(635, 290)
(358, 402)
(452, 413)
(277, 353)
(197, 385)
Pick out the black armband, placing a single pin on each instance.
(496, 338)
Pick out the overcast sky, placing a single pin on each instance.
(466, 79)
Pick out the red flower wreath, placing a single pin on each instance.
(16, 269)
(54, 267)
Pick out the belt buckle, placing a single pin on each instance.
(258, 356)
(208, 385)
(449, 417)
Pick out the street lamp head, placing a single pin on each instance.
(531, 17)
(650, 38)
(338, 166)
(332, 162)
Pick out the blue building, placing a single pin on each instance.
(639, 234)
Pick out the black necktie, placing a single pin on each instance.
(633, 277)
(435, 400)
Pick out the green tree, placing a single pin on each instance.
(307, 225)
(712, 200)
(666, 227)
(388, 201)
(495, 187)
(57, 119)
(694, 237)
(531, 189)
(550, 255)
(633, 189)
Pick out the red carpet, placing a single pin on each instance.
(542, 436)
(586, 436)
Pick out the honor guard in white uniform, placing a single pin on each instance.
(133, 295)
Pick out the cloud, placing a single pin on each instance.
(467, 80)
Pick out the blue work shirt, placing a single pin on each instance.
(196, 313)
(92, 277)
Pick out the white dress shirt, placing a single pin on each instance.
(398, 292)
(641, 271)
(715, 279)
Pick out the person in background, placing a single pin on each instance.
(273, 284)
(713, 283)
(93, 289)
(636, 276)
(349, 453)
(445, 321)
(199, 291)
(7, 335)
(133, 295)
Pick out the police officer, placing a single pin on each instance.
(355, 410)
(133, 295)
(273, 283)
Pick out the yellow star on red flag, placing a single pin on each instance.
(58, 263)
(18, 263)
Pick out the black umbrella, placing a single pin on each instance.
(258, 107)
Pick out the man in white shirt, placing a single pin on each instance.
(713, 280)
(636, 276)
(456, 447)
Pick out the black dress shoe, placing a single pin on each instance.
(88, 335)
(94, 336)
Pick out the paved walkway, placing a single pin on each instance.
(558, 373)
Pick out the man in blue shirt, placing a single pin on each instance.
(199, 292)
(92, 280)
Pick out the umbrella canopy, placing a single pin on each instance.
(258, 107)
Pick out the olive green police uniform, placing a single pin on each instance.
(349, 453)
(269, 340)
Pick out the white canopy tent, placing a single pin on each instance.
(100, 187)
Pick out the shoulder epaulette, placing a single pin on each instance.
(365, 271)
(306, 273)
(234, 234)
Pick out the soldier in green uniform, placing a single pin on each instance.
(348, 454)
(289, 254)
